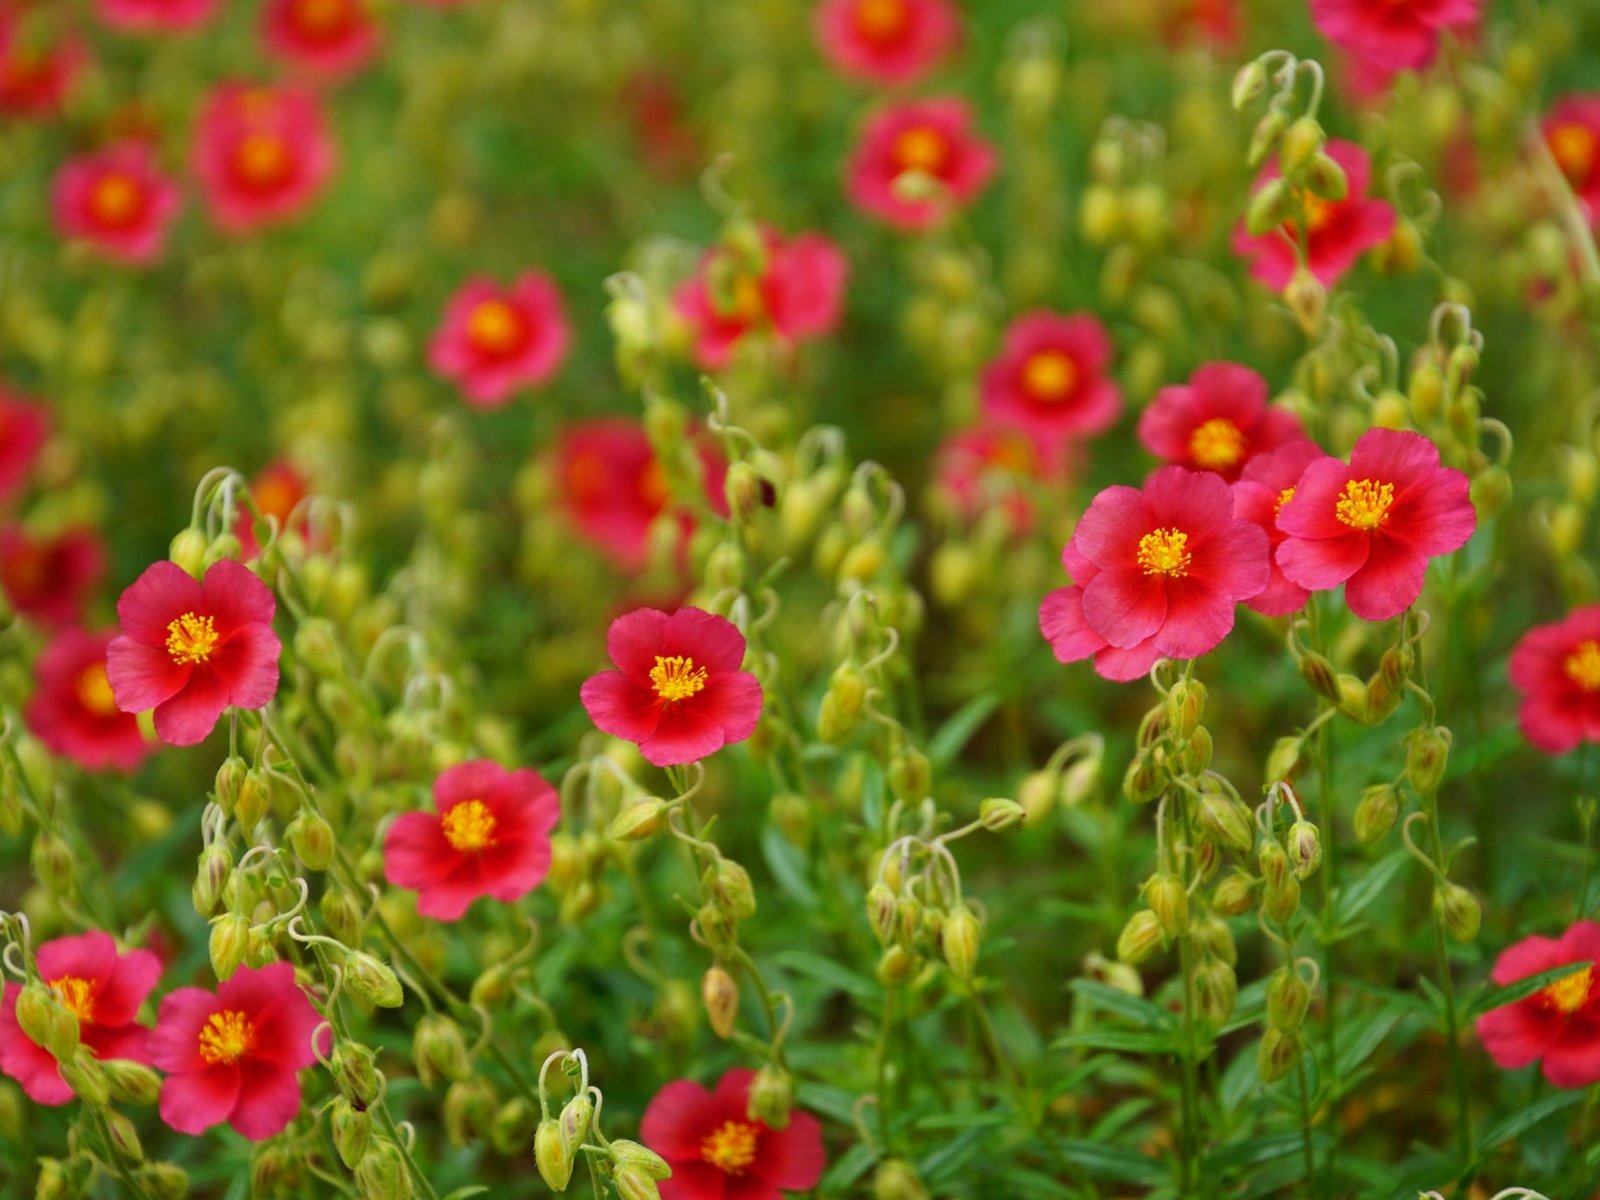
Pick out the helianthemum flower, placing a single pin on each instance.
(156, 16)
(102, 988)
(23, 430)
(495, 339)
(932, 138)
(718, 1152)
(261, 154)
(1267, 485)
(1557, 670)
(488, 836)
(36, 71)
(1049, 379)
(73, 711)
(48, 579)
(978, 470)
(1559, 1023)
(1374, 523)
(1217, 421)
(677, 690)
(1395, 34)
(887, 41)
(117, 200)
(326, 37)
(234, 1055)
(190, 650)
(1572, 131)
(277, 490)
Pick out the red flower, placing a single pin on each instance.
(23, 430)
(145, 16)
(1218, 421)
(74, 713)
(1213, 22)
(233, 1056)
(718, 1152)
(190, 649)
(932, 137)
(887, 41)
(1268, 485)
(496, 339)
(1572, 131)
(980, 469)
(118, 201)
(1338, 232)
(1560, 1023)
(326, 37)
(1557, 669)
(678, 690)
(796, 291)
(1072, 639)
(36, 73)
(1049, 378)
(490, 836)
(277, 491)
(102, 988)
(1373, 525)
(49, 578)
(261, 154)
(1397, 34)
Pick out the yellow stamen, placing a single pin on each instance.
(881, 22)
(1583, 666)
(1574, 148)
(226, 1038)
(493, 326)
(1217, 444)
(1572, 993)
(921, 148)
(114, 199)
(94, 690)
(190, 638)
(1365, 503)
(262, 160)
(748, 302)
(676, 678)
(1318, 212)
(731, 1147)
(1165, 552)
(1050, 376)
(1283, 498)
(469, 826)
(77, 995)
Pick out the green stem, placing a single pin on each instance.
(1189, 1165)
(1458, 1066)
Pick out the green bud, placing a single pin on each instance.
(771, 1097)
(881, 909)
(627, 1153)
(342, 913)
(1278, 1053)
(728, 884)
(999, 814)
(55, 1182)
(1144, 780)
(1186, 705)
(634, 1184)
(52, 864)
(897, 1179)
(1215, 990)
(439, 1050)
(1249, 84)
(163, 1181)
(1169, 900)
(1227, 820)
(1303, 139)
(230, 938)
(1305, 849)
(87, 1078)
(1325, 177)
(1427, 755)
(1270, 207)
(1264, 137)
(1319, 673)
(124, 1137)
(1140, 937)
(46, 1020)
(555, 1165)
(1236, 893)
(1288, 997)
(910, 776)
(959, 940)
(573, 1123)
(311, 838)
(356, 1072)
(1282, 903)
(1038, 793)
(1212, 935)
(468, 1111)
(317, 646)
(267, 1169)
(131, 1082)
(381, 1174)
(188, 550)
(640, 821)
(514, 1124)
(230, 778)
(1285, 759)
(1196, 757)
(1376, 813)
(351, 1128)
(895, 966)
(1274, 862)
(253, 798)
(1458, 909)
(216, 864)
(371, 980)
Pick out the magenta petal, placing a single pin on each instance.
(1122, 666)
(1108, 533)
(685, 735)
(1388, 583)
(792, 1158)
(621, 708)
(476, 779)
(248, 660)
(91, 956)
(1198, 618)
(132, 979)
(1517, 1034)
(164, 592)
(674, 1124)
(1322, 563)
(415, 853)
(142, 676)
(694, 1180)
(1573, 1062)
(1062, 624)
(714, 642)
(235, 596)
(733, 699)
(193, 1101)
(175, 1041)
(269, 1098)
(1124, 605)
(634, 640)
(188, 718)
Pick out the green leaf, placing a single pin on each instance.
(829, 972)
(1134, 1008)
(1525, 1119)
(1254, 1151)
(788, 866)
(983, 1119)
(1499, 997)
(1124, 1041)
(471, 1189)
(1367, 1036)
(850, 1166)
(956, 732)
(1353, 900)
(1109, 1162)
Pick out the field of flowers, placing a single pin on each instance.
(740, 599)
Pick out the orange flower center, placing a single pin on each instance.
(1574, 147)
(277, 494)
(469, 826)
(77, 995)
(226, 1037)
(114, 199)
(191, 638)
(731, 1147)
(1583, 666)
(921, 148)
(1165, 552)
(494, 327)
(94, 690)
(1014, 454)
(587, 477)
(1572, 993)
(319, 20)
(654, 491)
(748, 302)
(1050, 376)
(1283, 498)
(1365, 503)
(262, 160)
(1318, 212)
(881, 22)
(676, 677)
(1216, 444)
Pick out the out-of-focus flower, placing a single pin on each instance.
(327, 37)
(23, 430)
(717, 1152)
(1267, 485)
(1216, 23)
(1049, 379)
(1394, 35)
(277, 489)
(73, 711)
(979, 468)
(887, 41)
(1572, 131)
(119, 201)
(933, 138)
(1560, 1023)
(261, 154)
(48, 579)
(233, 1055)
(489, 836)
(796, 291)
(677, 690)
(190, 649)
(494, 340)
(1374, 523)
(1557, 670)
(156, 16)
(1218, 421)
(662, 135)
(100, 987)
(1337, 232)
(35, 78)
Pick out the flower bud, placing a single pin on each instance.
(355, 1070)
(1169, 900)
(1307, 299)
(230, 777)
(515, 1123)
(216, 864)
(1212, 935)
(895, 966)
(771, 1097)
(1278, 1054)
(86, 1077)
(628, 1153)
(728, 884)
(371, 980)
(46, 1020)
(1270, 207)
(1236, 893)
(439, 1050)
(1249, 84)
(1186, 705)
(1265, 136)
(910, 776)
(896, 1179)
(381, 1174)
(252, 799)
(999, 814)
(188, 550)
(1283, 902)
(640, 821)
(716, 927)
(51, 860)
(959, 939)
(351, 1128)
(124, 1137)
(573, 1123)
(1288, 997)
(881, 908)
(1458, 909)
(1215, 990)
(1140, 937)
(311, 838)
(1305, 849)
(720, 995)
(163, 1181)
(1319, 673)
(1326, 178)
(1227, 820)
(342, 913)
(468, 1111)
(1426, 390)
(230, 938)
(1427, 754)
(1285, 759)
(1303, 139)
(1079, 780)
(550, 1156)
(634, 1184)
(131, 1082)
(1038, 794)
(1144, 780)
(1196, 756)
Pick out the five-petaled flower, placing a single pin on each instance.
(992, 467)
(717, 1151)
(1049, 379)
(1374, 523)
(234, 1055)
(677, 690)
(1393, 34)
(1572, 132)
(117, 200)
(488, 836)
(1559, 1023)
(326, 37)
(73, 711)
(1266, 486)
(1218, 421)
(887, 41)
(261, 154)
(932, 138)
(190, 649)
(99, 986)
(49, 578)
(494, 340)
(1557, 670)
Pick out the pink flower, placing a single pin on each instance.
(190, 649)
(1212, 22)
(1049, 379)
(932, 137)
(1157, 572)
(1338, 232)
(1557, 670)
(1572, 131)
(261, 154)
(490, 836)
(1397, 34)
(277, 490)
(1218, 421)
(1268, 485)
(717, 1152)
(73, 711)
(119, 201)
(678, 690)
(978, 470)
(156, 16)
(495, 339)
(796, 291)
(326, 37)
(23, 430)
(887, 41)
(1560, 1023)
(1373, 525)
(48, 579)
(234, 1055)
(36, 71)
(102, 988)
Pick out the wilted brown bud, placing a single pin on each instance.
(720, 995)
